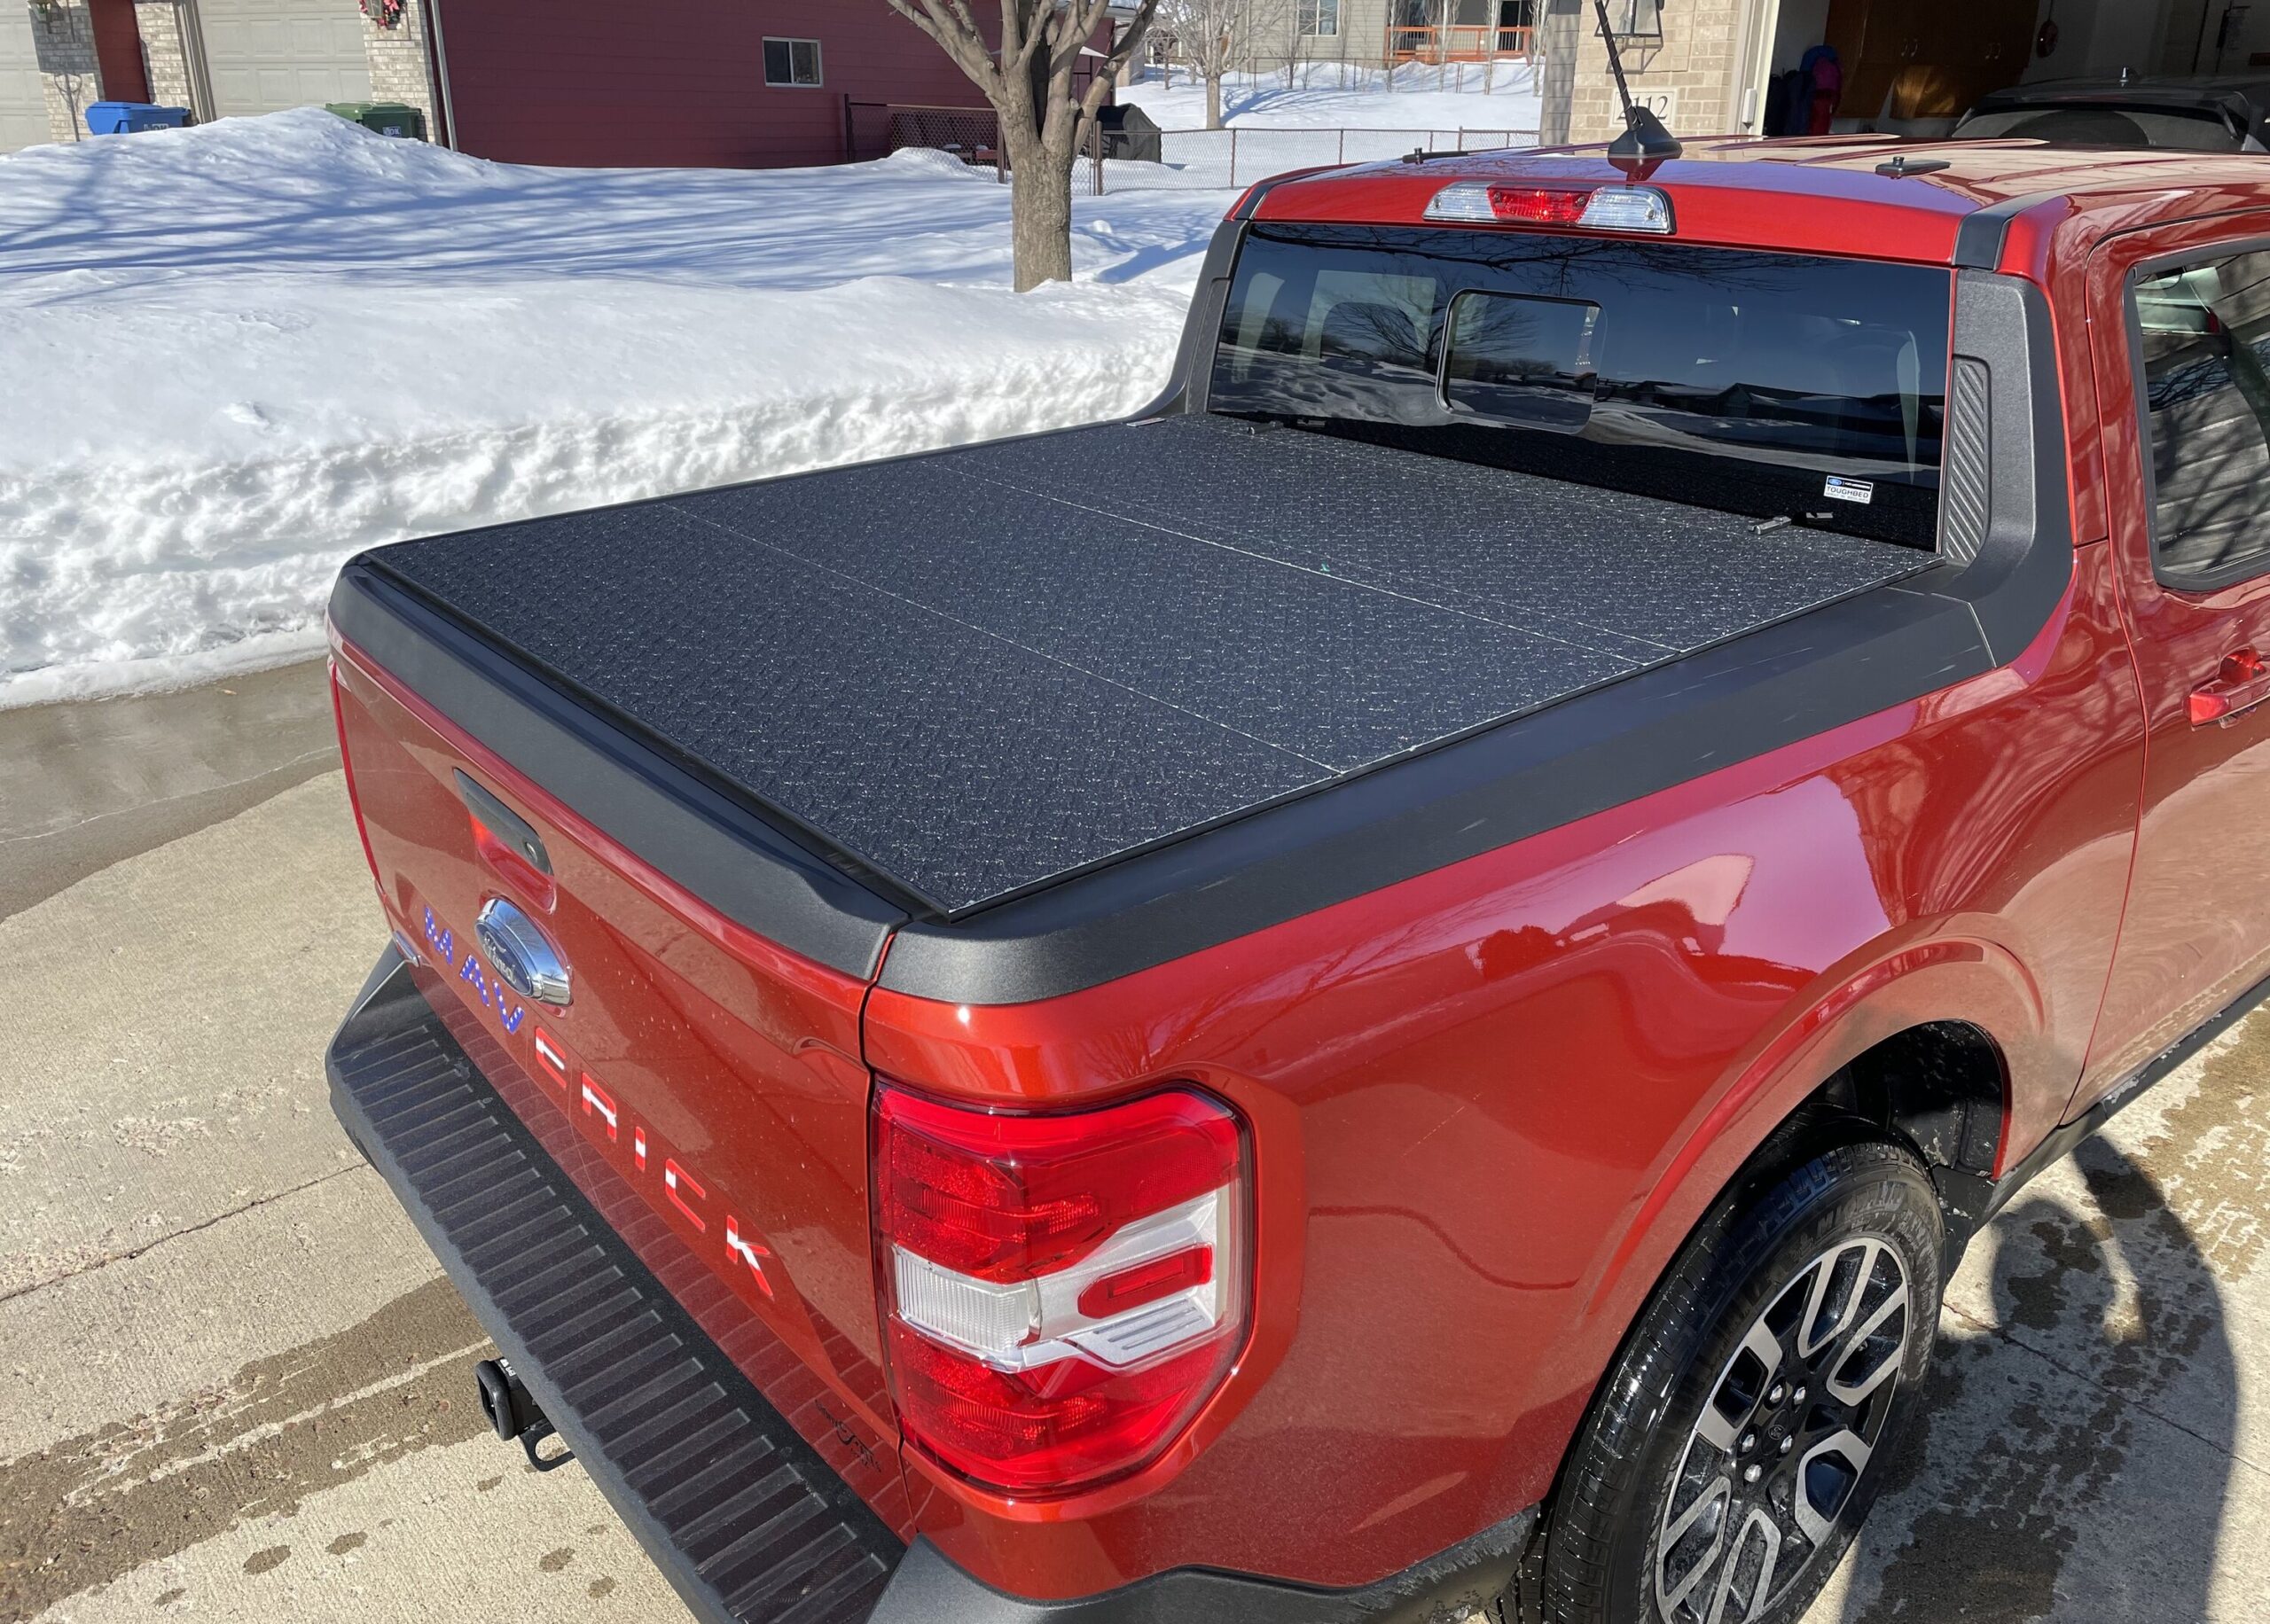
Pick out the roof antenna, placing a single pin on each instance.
(1644, 137)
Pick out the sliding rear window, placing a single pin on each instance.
(1775, 385)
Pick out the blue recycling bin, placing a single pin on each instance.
(120, 118)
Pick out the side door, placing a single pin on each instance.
(2181, 330)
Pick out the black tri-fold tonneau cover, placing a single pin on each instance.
(977, 672)
(883, 715)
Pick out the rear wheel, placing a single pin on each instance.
(1737, 1441)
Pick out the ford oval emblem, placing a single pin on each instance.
(520, 953)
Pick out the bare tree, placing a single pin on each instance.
(1044, 121)
(1208, 34)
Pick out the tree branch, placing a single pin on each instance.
(957, 33)
(1123, 51)
(1033, 32)
(1130, 44)
(923, 14)
(1080, 19)
(1075, 26)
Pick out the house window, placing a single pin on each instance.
(1320, 18)
(795, 62)
(1637, 19)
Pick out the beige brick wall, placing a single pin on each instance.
(63, 43)
(400, 66)
(164, 47)
(1690, 77)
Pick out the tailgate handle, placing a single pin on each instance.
(501, 821)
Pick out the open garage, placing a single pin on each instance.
(1911, 66)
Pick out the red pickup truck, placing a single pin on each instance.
(1390, 989)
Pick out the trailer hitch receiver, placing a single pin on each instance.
(512, 1410)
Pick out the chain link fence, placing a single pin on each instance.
(1474, 75)
(1233, 159)
(972, 135)
(1189, 159)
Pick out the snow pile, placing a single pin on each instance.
(1502, 95)
(237, 354)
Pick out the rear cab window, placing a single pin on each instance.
(1775, 385)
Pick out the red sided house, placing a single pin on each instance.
(731, 82)
(740, 83)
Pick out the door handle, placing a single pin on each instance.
(2242, 682)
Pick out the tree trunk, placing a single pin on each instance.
(1040, 213)
(1214, 99)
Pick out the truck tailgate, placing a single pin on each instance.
(974, 673)
(740, 1513)
(707, 1072)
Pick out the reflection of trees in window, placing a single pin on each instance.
(1752, 361)
(2206, 345)
(1364, 330)
(1523, 359)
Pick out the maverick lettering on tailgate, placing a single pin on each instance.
(605, 1121)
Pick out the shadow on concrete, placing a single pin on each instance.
(2072, 1458)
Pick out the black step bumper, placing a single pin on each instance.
(739, 1512)
(742, 1516)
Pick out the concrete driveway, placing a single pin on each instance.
(237, 1386)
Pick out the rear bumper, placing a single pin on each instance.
(741, 1515)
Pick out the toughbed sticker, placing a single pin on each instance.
(1841, 490)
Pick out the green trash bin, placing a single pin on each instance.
(386, 118)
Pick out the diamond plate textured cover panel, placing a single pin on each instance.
(740, 1513)
(981, 670)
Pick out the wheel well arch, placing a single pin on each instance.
(1943, 1088)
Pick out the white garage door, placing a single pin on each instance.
(269, 54)
(23, 114)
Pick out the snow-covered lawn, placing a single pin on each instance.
(1323, 95)
(236, 353)
(1327, 113)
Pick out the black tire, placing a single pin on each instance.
(1616, 1548)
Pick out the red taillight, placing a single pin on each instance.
(1064, 1291)
(1006, 1198)
(1539, 205)
(1597, 208)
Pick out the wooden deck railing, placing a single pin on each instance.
(1456, 42)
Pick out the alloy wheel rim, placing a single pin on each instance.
(1787, 1432)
